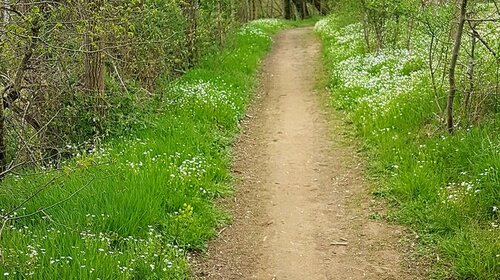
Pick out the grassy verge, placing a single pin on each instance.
(130, 208)
(445, 187)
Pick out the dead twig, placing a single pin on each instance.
(44, 187)
(42, 210)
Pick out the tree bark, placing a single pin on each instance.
(305, 12)
(453, 65)
(321, 6)
(93, 80)
(94, 71)
(94, 64)
(287, 8)
(411, 23)
(5, 16)
(190, 11)
(379, 32)
(271, 8)
(471, 67)
(253, 9)
(3, 152)
(220, 28)
(366, 25)
(299, 8)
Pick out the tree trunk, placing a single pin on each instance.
(254, 10)
(190, 10)
(366, 26)
(287, 8)
(93, 59)
(379, 33)
(271, 8)
(305, 12)
(262, 12)
(471, 68)
(395, 38)
(220, 28)
(94, 71)
(409, 31)
(5, 12)
(299, 8)
(321, 6)
(94, 65)
(3, 155)
(5, 15)
(453, 65)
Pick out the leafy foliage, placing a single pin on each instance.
(75, 72)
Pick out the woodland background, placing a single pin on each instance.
(73, 72)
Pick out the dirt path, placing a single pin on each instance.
(301, 210)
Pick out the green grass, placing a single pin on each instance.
(445, 187)
(305, 22)
(131, 208)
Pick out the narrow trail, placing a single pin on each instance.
(301, 210)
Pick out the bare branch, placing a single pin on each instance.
(485, 44)
(483, 19)
(44, 187)
(52, 205)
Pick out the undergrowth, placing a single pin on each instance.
(132, 207)
(445, 187)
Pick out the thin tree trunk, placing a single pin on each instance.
(411, 23)
(396, 33)
(470, 69)
(287, 8)
(262, 10)
(253, 9)
(189, 10)
(94, 61)
(94, 71)
(298, 8)
(94, 64)
(379, 33)
(271, 9)
(3, 152)
(453, 65)
(366, 25)
(5, 16)
(305, 12)
(246, 10)
(220, 30)
(320, 5)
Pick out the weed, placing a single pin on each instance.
(131, 207)
(446, 187)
